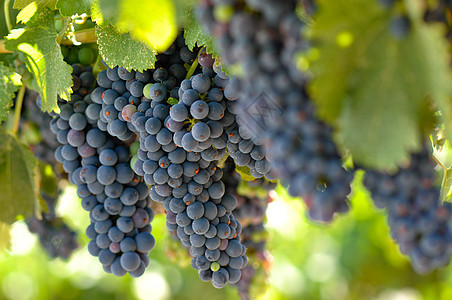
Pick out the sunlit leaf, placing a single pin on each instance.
(9, 84)
(153, 22)
(45, 61)
(19, 4)
(195, 35)
(32, 16)
(123, 50)
(74, 7)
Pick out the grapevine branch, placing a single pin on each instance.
(18, 108)
(7, 16)
(83, 36)
(193, 66)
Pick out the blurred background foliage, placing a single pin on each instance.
(353, 258)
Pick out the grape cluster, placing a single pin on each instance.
(263, 37)
(250, 212)
(55, 236)
(120, 92)
(182, 138)
(245, 148)
(98, 165)
(418, 222)
(33, 118)
(57, 239)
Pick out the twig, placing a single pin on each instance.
(193, 66)
(18, 108)
(7, 16)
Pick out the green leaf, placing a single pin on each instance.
(74, 7)
(245, 173)
(9, 84)
(19, 4)
(32, 16)
(96, 14)
(45, 62)
(123, 50)
(375, 89)
(5, 236)
(195, 35)
(446, 184)
(17, 178)
(152, 22)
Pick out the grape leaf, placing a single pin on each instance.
(152, 22)
(17, 181)
(5, 236)
(74, 7)
(195, 35)
(36, 17)
(9, 84)
(96, 14)
(45, 61)
(373, 88)
(106, 11)
(446, 185)
(123, 50)
(19, 4)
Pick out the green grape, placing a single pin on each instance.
(133, 160)
(58, 25)
(215, 266)
(146, 89)
(86, 56)
(134, 147)
(72, 58)
(65, 51)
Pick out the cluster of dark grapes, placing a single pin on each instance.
(180, 123)
(57, 239)
(250, 212)
(34, 120)
(418, 222)
(263, 37)
(98, 165)
(120, 92)
(55, 236)
(242, 145)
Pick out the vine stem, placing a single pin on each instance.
(439, 163)
(193, 66)
(18, 107)
(7, 16)
(84, 36)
